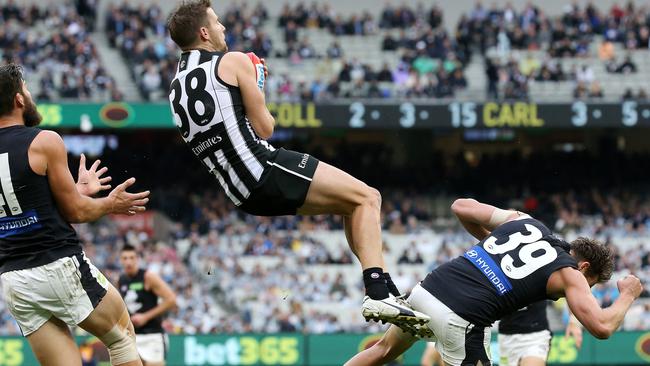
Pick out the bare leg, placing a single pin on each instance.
(333, 191)
(532, 361)
(110, 311)
(153, 363)
(390, 346)
(53, 345)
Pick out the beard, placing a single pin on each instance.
(30, 115)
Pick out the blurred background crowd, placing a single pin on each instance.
(316, 53)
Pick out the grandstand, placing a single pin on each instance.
(582, 172)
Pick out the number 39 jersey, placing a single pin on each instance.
(501, 274)
(211, 118)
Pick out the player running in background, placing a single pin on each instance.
(525, 337)
(517, 263)
(47, 281)
(141, 290)
(220, 110)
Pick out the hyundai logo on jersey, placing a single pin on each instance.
(482, 260)
(15, 225)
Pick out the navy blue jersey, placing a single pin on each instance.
(529, 319)
(503, 273)
(32, 231)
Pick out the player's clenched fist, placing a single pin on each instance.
(630, 284)
(123, 202)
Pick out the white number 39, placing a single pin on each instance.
(533, 244)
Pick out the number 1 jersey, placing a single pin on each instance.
(501, 274)
(32, 231)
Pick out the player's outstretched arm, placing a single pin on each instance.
(479, 219)
(47, 156)
(163, 291)
(238, 63)
(601, 323)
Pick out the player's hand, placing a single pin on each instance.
(90, 181)
(631, 285)
(266, 69)
(574, 330)
(138, 319)
(123, 202)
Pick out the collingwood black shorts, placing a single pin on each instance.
(285, 187)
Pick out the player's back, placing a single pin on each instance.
(529, 319)
(211, 117)
(32, 231)
(501, 274)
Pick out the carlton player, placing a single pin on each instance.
(147, 298)
(517, 263)
(48, 282)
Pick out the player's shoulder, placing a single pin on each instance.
(47, 141)
(235, 55)
(150, 275)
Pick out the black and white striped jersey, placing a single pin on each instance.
(211, 118)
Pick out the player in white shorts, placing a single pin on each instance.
(525, 338)
(47, 281)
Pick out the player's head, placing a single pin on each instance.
(15, 99)
(595, 260)
(193, 25)
(129, 259)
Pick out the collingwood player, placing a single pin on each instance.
(47, 281)
(220, 110)
(517, 263)
(147, 298)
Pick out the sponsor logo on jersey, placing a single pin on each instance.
(15, 225)
(206, 144)
(303, 162)
(484, 263)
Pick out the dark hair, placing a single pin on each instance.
(599, 256)
(129, 248)
(11, 82)
(184, 22)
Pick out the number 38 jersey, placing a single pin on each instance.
(211, 118)
(501, 274)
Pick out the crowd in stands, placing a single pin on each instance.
(54, 45)
(431, 60)
(580, 32)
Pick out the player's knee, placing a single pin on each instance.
(371, 198)
(120, 342)
(384, 350)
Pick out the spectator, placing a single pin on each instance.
(627, 67)
(334, 50)
(595, 91)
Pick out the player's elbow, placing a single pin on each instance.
(265, 128)
(601, 331)
(462, 205)
(173, 305)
